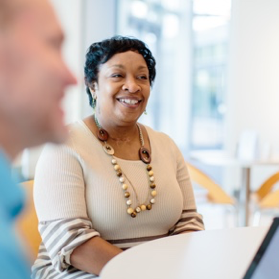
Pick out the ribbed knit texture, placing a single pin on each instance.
(77, 180)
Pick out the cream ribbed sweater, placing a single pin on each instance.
(77, 180)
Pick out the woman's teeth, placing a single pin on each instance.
(129, 101)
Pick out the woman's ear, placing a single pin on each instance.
(93, 91)
(93, 88)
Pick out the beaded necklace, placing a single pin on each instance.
(145, 157)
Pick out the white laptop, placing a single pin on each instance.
(265, 264)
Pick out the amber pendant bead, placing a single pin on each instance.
(103, 135)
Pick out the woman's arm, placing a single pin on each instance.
(189, 220)
(66, 230)
(93, 255)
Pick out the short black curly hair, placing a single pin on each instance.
(100, 52)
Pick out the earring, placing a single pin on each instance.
(145, 112)
(94, 102)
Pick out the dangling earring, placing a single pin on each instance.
(94, 98)
(94, 102)
(145, 112)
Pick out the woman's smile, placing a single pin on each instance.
(129, 102)
(123, 88)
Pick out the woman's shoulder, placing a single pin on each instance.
(78, 137)
(161, 140)
(158, 135)
(78, 129)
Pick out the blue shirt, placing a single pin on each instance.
(13, 264)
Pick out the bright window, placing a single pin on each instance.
(189, 40)
(210, 23)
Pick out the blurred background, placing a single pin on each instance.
(217, 82)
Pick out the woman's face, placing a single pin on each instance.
(123, 89)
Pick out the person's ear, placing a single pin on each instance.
(93, 88)
(93, 91)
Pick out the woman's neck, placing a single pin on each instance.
(125, 140)
(117, 133)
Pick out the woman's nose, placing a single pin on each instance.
(131, 86)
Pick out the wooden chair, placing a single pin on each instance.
(271, 200)
(27, 223)
(265, 199)
(265, 190)
(215, 193)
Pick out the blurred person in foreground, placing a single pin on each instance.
(33, 78)
(115, 183)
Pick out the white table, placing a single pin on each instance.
(216, 254)
(221, 159)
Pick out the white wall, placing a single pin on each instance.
(99, 17)
(83, 22)
(253, 96)
(253, 89)
(70, 14)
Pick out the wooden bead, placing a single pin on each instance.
(149, 207)
(113, 161)
(151, 178)
(116, 167)
(119, 173)
(152, 201)
(126, 194)
(144, 155)
(143, 207)
(134, 214)
(121, 179)
(130, 210)
(102, 135)
(129, 202)
(153, 193)
(149, 168)
(152, 185)
(138, 210)
(124, 186)
(151, 173)
(108, 149)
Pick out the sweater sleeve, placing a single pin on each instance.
(189, 220)
(59, 196)
(59, 187)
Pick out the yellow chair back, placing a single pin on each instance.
(215, 193)
(27, 223)
(271, 200)
(267, 186)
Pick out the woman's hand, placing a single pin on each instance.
(93, 255)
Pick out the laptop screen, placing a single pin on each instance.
(265, 264)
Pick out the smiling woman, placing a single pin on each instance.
(122, 88)
(114, 184)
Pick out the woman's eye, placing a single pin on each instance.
(143, 77)
(116, 75)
